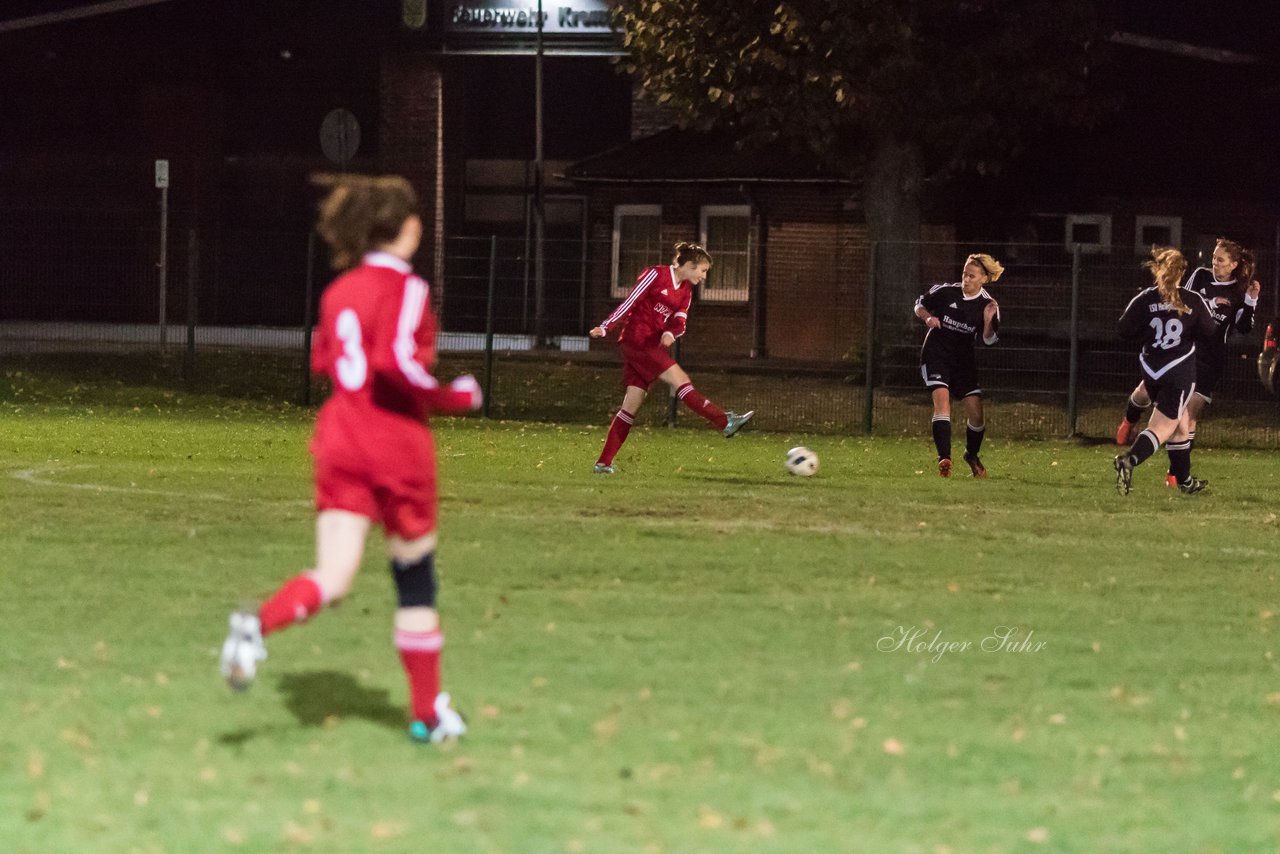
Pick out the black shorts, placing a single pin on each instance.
(958, 375)
(1173, 389)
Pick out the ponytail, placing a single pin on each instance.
(1167, 266)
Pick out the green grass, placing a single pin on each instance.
(681, 658)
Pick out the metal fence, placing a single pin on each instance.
(82, 297)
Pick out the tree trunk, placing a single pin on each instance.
(891, 198)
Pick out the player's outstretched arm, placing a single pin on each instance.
(461, 395)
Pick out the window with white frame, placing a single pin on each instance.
(726, 234)
(1151, 231)
(637, 244)
(1091, 232)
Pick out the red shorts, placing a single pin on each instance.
(404, 502)
(642, 365)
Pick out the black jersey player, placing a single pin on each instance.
(1231, 292)
(957, 316)
(1170, 321)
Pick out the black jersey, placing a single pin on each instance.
(1226, 302)
(1168, 338)
(961, 319)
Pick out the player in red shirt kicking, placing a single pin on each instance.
(374, 453)
(650, 320)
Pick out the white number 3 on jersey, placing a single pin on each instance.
(1168, 335)
(353, 366)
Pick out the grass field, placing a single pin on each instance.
(698, 654)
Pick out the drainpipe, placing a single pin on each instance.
(756, 290)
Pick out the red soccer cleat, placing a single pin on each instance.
(944, 467)
(1169, 479)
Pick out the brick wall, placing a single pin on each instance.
(647, 116)
(411, 89)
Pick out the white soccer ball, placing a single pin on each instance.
(802, 462)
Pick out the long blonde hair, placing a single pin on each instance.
(1167, 266)
(993, 268)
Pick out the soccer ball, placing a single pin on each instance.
(802, 462)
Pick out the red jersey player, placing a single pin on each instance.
(650, 320)
(374, 454)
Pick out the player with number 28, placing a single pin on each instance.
(1168, 319)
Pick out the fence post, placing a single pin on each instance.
(673, 402)
(193, 274)
(1073, 365)
(488, 326)
(306, 319)
(163, 263)
(868, 403)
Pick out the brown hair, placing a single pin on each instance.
(993, 268)
(686, 252)
(1167, 266)
(361, 212)
(1246, 264)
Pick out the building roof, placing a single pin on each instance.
(675, 156)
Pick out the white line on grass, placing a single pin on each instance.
(39, 477)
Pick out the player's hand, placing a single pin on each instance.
(467, 385)
(1222, 301)
(597, 332)
(1254, 290)
(989, 313)
(932, 322)
(668, 339)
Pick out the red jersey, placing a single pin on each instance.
(658, 303)
(376, 342)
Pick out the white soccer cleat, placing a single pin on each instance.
(449, 724)
(242, 650)
(735, 422)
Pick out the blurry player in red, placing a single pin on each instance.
(651, 318)
(374, 454)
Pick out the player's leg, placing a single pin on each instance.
(974, 431)
(1195, 409)
(340, 537)
(941, 425)
(728, 423)
(620, 428)
(1170, 403)
(1136, 405)
(419, 640)
(1179, 447)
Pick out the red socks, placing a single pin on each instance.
(691, 398)
(298, 599)
(618, 431)
(622, 422)
(420, 655)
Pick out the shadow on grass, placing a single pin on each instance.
(734, 479)
(316, 696)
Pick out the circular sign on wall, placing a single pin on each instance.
(340, 136)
